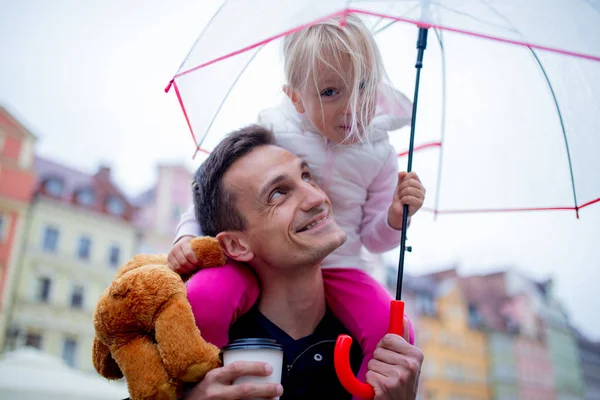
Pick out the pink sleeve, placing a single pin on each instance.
(375, 232)
(188, 225)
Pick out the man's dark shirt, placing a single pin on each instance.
(308, 371)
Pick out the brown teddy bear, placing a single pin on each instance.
(145, 329)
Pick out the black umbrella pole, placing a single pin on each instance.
(421, 46)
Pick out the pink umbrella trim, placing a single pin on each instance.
(421, 147)
(408, 20)
(517, 209)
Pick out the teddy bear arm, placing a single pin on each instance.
(186, 355)
(144, 371)
(103, 361)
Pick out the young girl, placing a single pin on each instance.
(334, 118)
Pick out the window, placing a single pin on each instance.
(42, 291)
(425, 304)
(474, 317)
(33, 340)
(54, 187)
(69, 351)
(114, 256)
(83, 251)
(3, 226)
(77, 297)
(50, 241)
(12, 337)
(85, 197)
(115, 206)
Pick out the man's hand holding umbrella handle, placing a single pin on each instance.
(395, 369)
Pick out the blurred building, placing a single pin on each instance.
(487, 299)
(457, 363)
(160, 208)
(16, 187)
(538, 298)
(535, 370)
(78, 233)
(562, 346)
(589, 355)
(521, 367)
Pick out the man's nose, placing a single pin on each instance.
(312, 197)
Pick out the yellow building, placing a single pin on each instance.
(456, 360)
(78, 233)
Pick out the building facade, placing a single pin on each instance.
(17, 178)
(78, 233)
(503, 366)
(564, 352)
(457, 363)
(160, 208)
(589, 356)
(487, 307)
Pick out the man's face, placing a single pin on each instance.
(289, 218)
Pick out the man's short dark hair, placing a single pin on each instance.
(215, 206)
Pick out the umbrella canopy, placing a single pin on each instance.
(28, 373)
(509, 105)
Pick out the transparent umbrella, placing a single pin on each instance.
(508, 107)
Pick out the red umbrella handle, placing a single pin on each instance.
(341, 356)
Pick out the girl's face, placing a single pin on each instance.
(327, 105)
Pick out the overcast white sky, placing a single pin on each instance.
(88, 77)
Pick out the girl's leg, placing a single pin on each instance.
(363, 306)
(219, 296)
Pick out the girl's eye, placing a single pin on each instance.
(328, 92)
(306, 177)
(361, 85)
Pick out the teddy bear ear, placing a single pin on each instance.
(209, 252)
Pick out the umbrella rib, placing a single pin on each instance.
(554, 98)
(201, 34)
(438, 35)
(562, 126)
(592, 5)
(510, 29)
(376, 28)
(394, 21)
(237, 78)
(500, 39)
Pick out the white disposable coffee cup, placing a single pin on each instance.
(255, 349)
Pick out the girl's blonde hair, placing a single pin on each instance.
(348, 47)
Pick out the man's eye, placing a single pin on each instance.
(306, 177)
(328, 92)
(276, 194)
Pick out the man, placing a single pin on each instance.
(258, 198)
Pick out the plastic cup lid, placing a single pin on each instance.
(253, 343)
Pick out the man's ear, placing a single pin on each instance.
(235, 246)
(296, 100)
